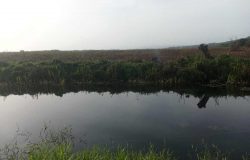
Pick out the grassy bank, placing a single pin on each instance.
(43, 151)
(64, 152)
(59, 145)
(195, 70)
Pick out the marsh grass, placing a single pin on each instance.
(59, 145)
(208, 152)
(196, 70)
(64, 152)
(246, 157)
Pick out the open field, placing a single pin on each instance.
(228, 64)
(164, 55)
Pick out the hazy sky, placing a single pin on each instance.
(119, 24)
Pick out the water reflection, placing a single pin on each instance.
(203, 101)
(203, 93)
(136, 115)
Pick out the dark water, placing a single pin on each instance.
(169, 119)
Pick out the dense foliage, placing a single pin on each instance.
(225, 70)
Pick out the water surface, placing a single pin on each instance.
(164, 119)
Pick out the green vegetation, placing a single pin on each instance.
(64, 152)
(195, 70)
(59, 145)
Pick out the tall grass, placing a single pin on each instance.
(222, 70)
(209, 152)
(59, 145)
(64, 152)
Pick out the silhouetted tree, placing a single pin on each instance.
(204, 49)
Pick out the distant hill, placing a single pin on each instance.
(242, 42)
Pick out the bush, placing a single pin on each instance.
(191, 70)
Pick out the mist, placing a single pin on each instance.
(119, 24)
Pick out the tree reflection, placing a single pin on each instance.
(59, 90)
(203, 101)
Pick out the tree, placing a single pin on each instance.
(204, 49)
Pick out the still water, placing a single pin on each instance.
(164, 119)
